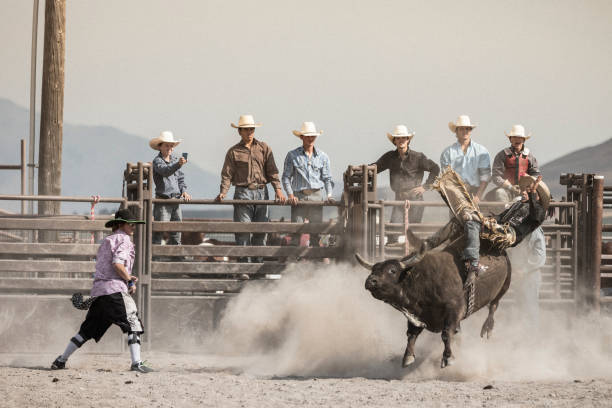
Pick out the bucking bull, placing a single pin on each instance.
(428, 289)
(428, 286)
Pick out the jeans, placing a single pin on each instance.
(415, 214)
(471, 251)
(167, 212)
(527, 294)
(312, 213)
(250, 213)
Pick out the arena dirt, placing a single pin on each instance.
(318, 338)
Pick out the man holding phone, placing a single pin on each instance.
(169, 183)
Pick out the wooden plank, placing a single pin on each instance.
(49, 249)
(52, 224)
(196, 285)
(233, 227)
(45, 284)
(217, 267)
(240, 251)
(14, 265)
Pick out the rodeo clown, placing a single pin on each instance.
(511, 164)
(110, 300)
(506, 230)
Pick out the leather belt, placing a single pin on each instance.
(255, 186)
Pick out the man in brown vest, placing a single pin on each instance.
(511, 164)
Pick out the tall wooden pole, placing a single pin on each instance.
(32, 145)
(52, 105)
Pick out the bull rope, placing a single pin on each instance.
(92, 215)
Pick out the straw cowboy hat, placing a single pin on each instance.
(246, 121)
(543, 191)
(164, 137)
(462, 121)
(518, 131)
(307, 129)
(400, 131)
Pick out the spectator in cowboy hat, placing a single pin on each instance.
(169, 183)
(307, 177)
(468, 158)
(511, 164)
(406, 168)
(249, 165)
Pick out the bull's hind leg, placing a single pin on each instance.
(487, 326)
(412, 333)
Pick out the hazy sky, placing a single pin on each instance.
(356, 68)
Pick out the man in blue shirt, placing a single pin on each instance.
(307, 177)
(469, 159)
(169, 183)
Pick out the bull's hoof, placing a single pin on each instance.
(487, 328)
(447, 361)
(409, 359)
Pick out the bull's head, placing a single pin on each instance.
(384, 281)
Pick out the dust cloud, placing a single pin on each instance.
(319, 321)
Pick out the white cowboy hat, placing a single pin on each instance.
(307, 129)
(246, 121)
(400, 131)
(462, 121)
(164, 137)
(518, 131)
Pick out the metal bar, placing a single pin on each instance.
(381, 231)
(594, 281)
(557, 264)
(575, 248)
(148, 253)
(252, 227)
(58, 198)
(23, 174)
(257, 202)
(10, 166)
(240, 251)
(364, 209)
(52, 224)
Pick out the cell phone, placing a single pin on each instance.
(185, 156)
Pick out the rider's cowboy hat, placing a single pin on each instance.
(543, 191)
(123, 216)
(164, 137)
(518, 131)
(400, 131)
(307, 129)
(246, 121)
(462, 121)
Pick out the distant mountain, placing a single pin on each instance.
(594, 159)
(93, 159)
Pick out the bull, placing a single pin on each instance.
(428, 289)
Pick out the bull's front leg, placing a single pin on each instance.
(450, 326)
(412, 333)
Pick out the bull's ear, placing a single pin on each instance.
(363, 262)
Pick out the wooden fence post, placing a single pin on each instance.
(52, 109)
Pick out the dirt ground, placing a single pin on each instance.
(184, 380)
(317, 338)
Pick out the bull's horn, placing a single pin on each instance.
(405, 263)
(363, 262)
